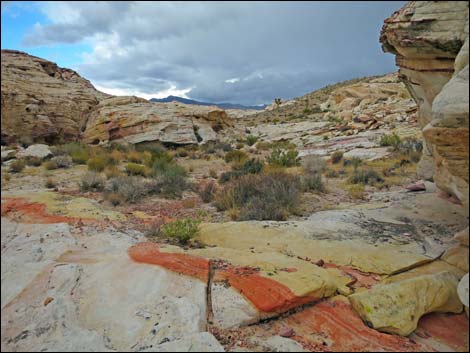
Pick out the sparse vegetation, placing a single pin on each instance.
(50, 183)
(284, 158)
(313, 183)
(365, 176)
(392, 140)
(33, 161)
(270, 196)
(92, 182)
(235, 156)
(207, 192)
(251, 140)
(170, 177)
(97, 163)
(356, 191)
(17, 166)
(125, 189)
(58, 162)
(336, 157)
(181, 230)
(136, 169)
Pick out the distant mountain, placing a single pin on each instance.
(220, 105)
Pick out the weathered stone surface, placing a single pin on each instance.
(136, 120)
(38, 150)
(462, 290)
(199, 342)
(463, 236)
(457, 256)
(397, 307)
(430, 41)
(42, 102)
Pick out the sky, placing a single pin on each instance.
(237, 52)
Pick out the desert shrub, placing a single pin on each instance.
(331, 173)
(33, 161)
(263, 146)
(114, 157)
(17, 166)
(77, 151)
(97, 163)
(136, 169)
(283, 144)
(336, 157)
(313, 165)
(212, 173)
(270, 196)
(154, 147)
(356, 191)
(284, 158)
(50, 165)
(92, 182)
(181, 152)
(239, 145)
(112, 172)
(251, 140)
(181, 230)
(126, 189)
(171, 177)
(365, 177)
(114, 198)
(134, 157)
(224, 146)
(207, 192)
(62, 161)
(50, 183)
(355, 162)
(313, 183)
(251, 166)
(392, 140)
(235, 156)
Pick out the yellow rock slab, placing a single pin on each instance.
(397, 307)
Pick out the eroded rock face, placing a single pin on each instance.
(41, 101)
(136, 120)
(430, 41)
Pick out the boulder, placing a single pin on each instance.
(397, 307)
(38, 150)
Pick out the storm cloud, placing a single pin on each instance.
(240, 52)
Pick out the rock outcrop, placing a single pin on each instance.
(430, 41)
(42, 102)
(136, 120)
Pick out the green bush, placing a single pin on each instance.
(17, 166)
(171, 177)
(182, 229)
(58, 162)
(284, 158)
(235, 156)
(97, 163)
(251, 140)
(270, 196)
(92, 182)
(135, 169)
(365, 177)
(77, 151)
(336, 157)
(392, 140)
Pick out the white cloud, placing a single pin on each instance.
(172, 91)
(267, 49)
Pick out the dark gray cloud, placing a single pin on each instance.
(243, 52)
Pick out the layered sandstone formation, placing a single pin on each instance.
(430, 41)
(42, 102)
(136, 120)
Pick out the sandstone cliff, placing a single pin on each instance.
(42, 102)
(430, 41)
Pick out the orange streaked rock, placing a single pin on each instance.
(34, 212)
(188, 265)
(449, 329)
(342, 330)
(264, 293)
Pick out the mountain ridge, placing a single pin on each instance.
(172, 98)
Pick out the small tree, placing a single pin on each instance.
(277, 101)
